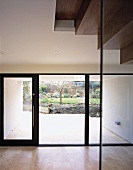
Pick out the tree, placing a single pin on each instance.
(42, 88)
(60, 87)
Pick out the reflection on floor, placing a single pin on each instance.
(46, 158)
(117, 158)
(65, 158)
(63, 129)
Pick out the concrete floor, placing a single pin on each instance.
(63, 129)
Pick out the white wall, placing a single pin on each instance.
(111, 63)
(50, 68)
(123, 68)
(0, 61)
(118, 106)
(0, 54)
(13, 102)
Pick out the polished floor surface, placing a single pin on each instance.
(117, 158)
(65, 158)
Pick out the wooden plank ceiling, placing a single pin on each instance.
(67, 9)
(118, 22)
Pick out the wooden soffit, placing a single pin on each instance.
(118, 22)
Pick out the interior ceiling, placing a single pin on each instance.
(27, 36)
(61, 78)
(118, 22)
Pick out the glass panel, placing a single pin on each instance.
(117, 84)
(61, 109)
(17, 108)
(94, 108)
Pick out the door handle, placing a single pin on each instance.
(33, 117)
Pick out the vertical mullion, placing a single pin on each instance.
(1, 108)
(36, 109)
(86, 109)
(101, 78)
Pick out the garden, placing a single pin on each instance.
(64, 97)
(68, 97)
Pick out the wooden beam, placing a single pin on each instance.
(119, 40)
(118, 26)
(126, 54)
(81, 12)
(88, 20)
(111, 7)
(67, 9)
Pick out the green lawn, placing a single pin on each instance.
(94, 101)
(69, 100)
(64, 100)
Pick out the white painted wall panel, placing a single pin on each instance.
(118, 106)
(13, 100)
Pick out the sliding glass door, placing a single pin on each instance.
(61, 109)
(50, 109)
